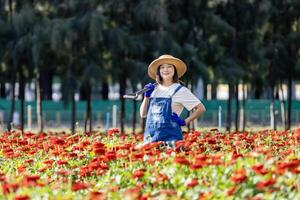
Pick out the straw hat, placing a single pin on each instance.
(166, 59)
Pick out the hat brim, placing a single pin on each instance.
(179, 64)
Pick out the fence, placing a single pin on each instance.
(55, 114)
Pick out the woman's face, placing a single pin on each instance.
(167, 71)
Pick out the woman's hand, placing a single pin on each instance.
(149, 92)
(177, 119)
(197, 112)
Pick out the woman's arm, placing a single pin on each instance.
(144, 107)
(198, 111)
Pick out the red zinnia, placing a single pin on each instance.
(113, 131)
(79, 186)
(22, 197)
(97, 195)
(239, 176)
(192, 183)
(181, 160)
(259, 169)
(139, 173)
(266, 183)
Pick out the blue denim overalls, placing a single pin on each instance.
(159, 126)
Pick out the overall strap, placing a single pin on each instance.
(176, 90)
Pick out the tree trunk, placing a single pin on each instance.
(214, 86)
(22, 95)
(88, 117)
(2, 90)
(189, 112)
(46, 80)
(237, 107)
(282, 106)
(231, 88)
(73, 112)
(134, 115)
(10, 7)
(244, 108)
(289, 111)
(122, 92)
(83, 93)
(105, 90)
(205, 90)
(272, 109)
(143, 124)
(13, 103)
(257, 89)
(39, 113)
(134, 111)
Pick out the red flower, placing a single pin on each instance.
(79, 186)
(137, 156)
(9, 187)
(63, 172)
(267, 183)
(211, 140)
(181, 160)
(113, 131)
(22, 197)
(161, 178)
(132, 193)
(239, 176)
(48, 162)
(111, 155)
(97, 195)
(57, 141)
(32, 178)
(98, 145)
(62, 162)
(231, 190)
(30, 181)
(99, 151)
(259, 169)
(21, 168)
(193, 183)
(138, 173)
(84, 144)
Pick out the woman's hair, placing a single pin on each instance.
(159, 79)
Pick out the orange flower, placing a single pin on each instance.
(161, 178)
(132, 193)
(231, 190)
(97, 196)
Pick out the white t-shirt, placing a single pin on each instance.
(183, 98)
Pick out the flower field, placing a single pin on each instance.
(205, 165)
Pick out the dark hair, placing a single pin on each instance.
(160, 80)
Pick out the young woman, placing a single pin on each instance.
(163, 104)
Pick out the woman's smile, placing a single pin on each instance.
(167, 70)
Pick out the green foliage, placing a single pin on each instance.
(219, 40)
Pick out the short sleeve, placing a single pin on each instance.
(185, 97)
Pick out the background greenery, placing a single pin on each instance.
(249, 42)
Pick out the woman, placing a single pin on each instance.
(163, 104)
